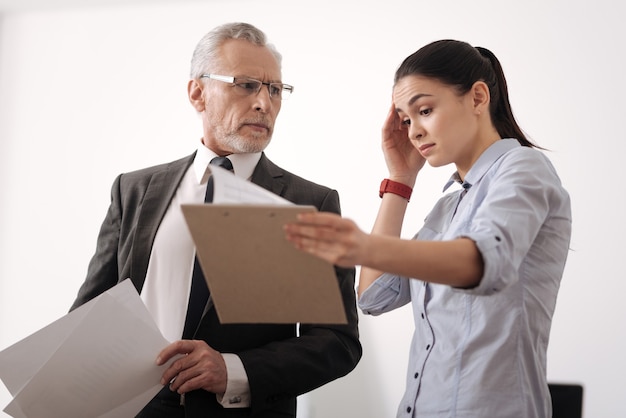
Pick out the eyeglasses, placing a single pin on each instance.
(249, 86)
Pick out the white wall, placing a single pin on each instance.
(86, 93)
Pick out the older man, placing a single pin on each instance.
(239, 370)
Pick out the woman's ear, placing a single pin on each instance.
(195, 89)
(480, 94)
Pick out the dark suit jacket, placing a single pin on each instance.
(280, 366)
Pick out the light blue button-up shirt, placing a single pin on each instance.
(481, 352)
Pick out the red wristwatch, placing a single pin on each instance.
(390, 186)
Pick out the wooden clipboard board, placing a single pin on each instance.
(254, 274)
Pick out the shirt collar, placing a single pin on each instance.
(484, 162)
(243, 164)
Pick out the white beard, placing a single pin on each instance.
(240, 145)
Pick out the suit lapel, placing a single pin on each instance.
(157, 198)
(268, 175)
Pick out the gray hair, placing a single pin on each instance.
(206, 53)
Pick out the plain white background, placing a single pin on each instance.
(89, 92)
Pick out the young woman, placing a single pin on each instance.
(484, 271)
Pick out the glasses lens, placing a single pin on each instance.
(248, 86)
(276, 90)
(285, 91)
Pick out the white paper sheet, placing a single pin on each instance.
(229, 189)
(96, 361)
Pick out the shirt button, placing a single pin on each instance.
(422, 315)
(416, 375)
(428, 347)
(408, 409)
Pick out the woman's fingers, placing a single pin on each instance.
(324, 235)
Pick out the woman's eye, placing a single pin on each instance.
(425, 112)
(406, 122)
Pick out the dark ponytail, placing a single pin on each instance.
(458, 64)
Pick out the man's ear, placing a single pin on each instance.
(481, 97)
(195, 89)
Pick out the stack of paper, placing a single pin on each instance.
(96, 361)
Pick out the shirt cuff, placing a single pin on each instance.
(237, 393)
(496, 277)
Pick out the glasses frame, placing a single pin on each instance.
(233, 80)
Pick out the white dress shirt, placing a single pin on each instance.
(168, 279)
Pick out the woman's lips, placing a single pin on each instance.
(425, 149)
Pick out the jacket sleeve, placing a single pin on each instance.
(102, 273)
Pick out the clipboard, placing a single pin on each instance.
(254, 274)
